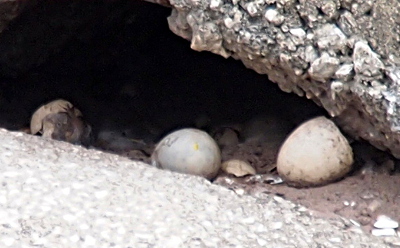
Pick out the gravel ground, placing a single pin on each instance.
(54, 194)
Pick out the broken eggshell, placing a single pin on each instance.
(60, 120)
(316, 153)
(53, 107)
(188, 151)
(238, 168)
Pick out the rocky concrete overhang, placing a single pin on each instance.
(344, 55)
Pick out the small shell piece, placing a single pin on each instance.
(53, 107)
(238, 168)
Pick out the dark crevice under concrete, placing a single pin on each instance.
(173, 85)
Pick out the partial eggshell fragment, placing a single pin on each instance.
(238, 168)
(316, 153)
(189, 151)
(53, 107)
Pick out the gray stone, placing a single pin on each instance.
(366, 62)
(323, 68)
(329, 8)
(273, 16)
(329, 37)
(345, 72)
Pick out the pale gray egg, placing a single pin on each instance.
(189, 151)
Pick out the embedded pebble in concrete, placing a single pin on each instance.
(55, 194)
(316, 153)
(383, 232)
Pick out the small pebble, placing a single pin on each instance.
(69, 218)
(273, 179)
(248, 221)
(355, 223)
(385, 222)
(8, 241)
(239, 191)
(383, 232)
(228, 180)
(101, 194)
(302, 209)
(367, 195)
(276, 225)
(89, 240)
(278, 199)
(74, 238)
(262, 242)
(335, 240)
(265, 178)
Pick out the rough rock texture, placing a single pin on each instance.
(54, 194)
(344, 55)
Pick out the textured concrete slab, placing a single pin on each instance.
(54, 194)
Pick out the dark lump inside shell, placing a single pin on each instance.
(57, 126)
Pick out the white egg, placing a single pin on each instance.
(316, 153)
(189, 151)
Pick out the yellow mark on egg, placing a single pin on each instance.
(196, 146)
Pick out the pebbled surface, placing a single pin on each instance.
(54, 194)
